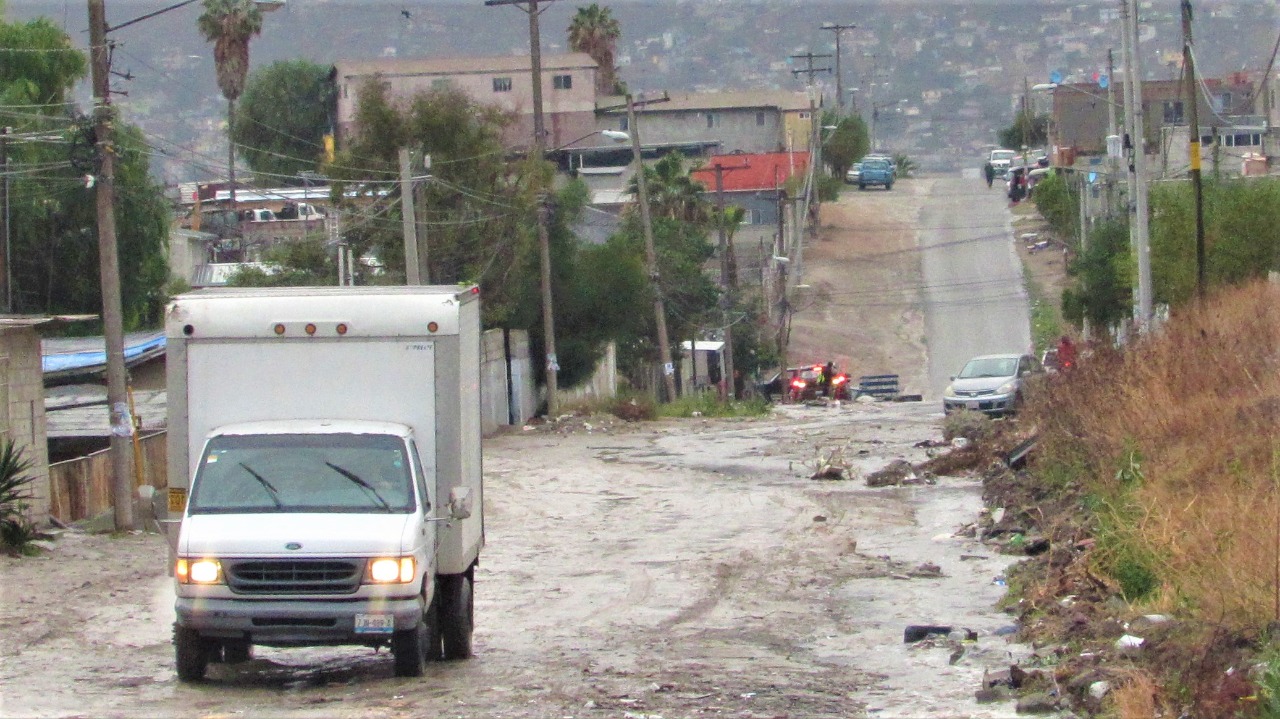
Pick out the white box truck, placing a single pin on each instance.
(324, 464)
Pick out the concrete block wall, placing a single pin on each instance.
(494, 392)
(22, 385)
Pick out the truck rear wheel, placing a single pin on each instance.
(457, 615)
(191, 654)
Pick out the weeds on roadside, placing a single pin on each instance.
(973, 426)
(16, 530)
(709, 404)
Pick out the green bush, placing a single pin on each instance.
(15, 494)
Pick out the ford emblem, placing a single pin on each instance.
(293, 545)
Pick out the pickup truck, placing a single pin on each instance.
(876, 172)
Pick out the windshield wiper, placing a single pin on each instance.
(273, 492)
(359, 482)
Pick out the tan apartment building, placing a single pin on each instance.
(568, 90)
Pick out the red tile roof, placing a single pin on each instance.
(752, 172)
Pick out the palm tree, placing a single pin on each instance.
(229, 24)
(673, 194)
(595, 32)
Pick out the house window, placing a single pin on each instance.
(713, 120)
(1173, 112)
(804, 116)
(622, 125)
(442, 83)
(759, 119)
(562, 82)
(502, 84)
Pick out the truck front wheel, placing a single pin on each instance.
(457, 615)
(191, 654)
(413, 648)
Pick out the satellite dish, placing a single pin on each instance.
(1055, 77)
(1104, 81)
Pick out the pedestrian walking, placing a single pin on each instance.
(989, 172)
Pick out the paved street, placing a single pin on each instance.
(975, 300)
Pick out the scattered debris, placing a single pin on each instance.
(897, 472)
(915, 632)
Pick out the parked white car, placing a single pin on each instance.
(993, 384)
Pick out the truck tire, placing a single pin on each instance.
(191, 654)
(888, 186)
(413, 648)
(457, 618)
(409, 648)
(862, 185)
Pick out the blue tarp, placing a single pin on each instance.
(67, 361)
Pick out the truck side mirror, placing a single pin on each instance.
(460, 502)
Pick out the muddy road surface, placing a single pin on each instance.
(674, 569)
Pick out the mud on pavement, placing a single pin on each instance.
(674, 569)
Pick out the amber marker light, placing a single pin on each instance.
(310, 328)
(279, 328)
(432, 326)
(342, 328)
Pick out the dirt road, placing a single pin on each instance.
(674, 569)
(679, 569)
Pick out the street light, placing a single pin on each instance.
(121, 420)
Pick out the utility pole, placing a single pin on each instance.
(544, 239)
(408, 221)
(651, 256)
(727, 281)
(811, 193)
(838, 29)
(122, 428)
(1142, 244)
(1191, 98)
(1112, 160)
(6, 276)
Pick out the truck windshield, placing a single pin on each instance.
(303, 473)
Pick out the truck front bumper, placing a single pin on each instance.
(295, 622)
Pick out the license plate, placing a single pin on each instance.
(375, 623)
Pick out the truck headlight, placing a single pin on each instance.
(198, 571)
(388, 570)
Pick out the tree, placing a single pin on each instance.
(282, 118)
(673, 194)
(229, 25)
(52, 214)
(594, 31)
(845, 145)
(1104, 291)
(1025, 131)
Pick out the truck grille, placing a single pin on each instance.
(291, 576)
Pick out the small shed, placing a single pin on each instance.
(701, 365)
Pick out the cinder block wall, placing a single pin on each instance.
(21, 383)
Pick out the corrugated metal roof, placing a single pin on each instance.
(400, 67)
(752, 172)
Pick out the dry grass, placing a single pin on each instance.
(1136, 697)
(1176, 440)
